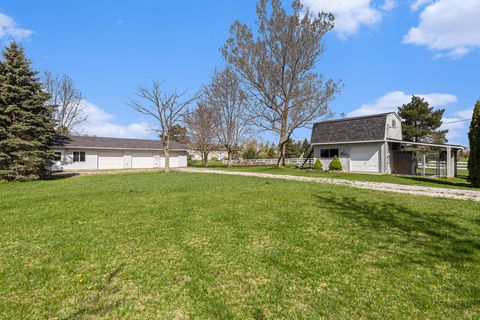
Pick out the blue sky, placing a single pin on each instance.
(382, 51)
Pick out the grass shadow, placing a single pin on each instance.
(439, 181)
(432, 235)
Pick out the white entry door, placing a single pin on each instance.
(110, 160)
(142, 160)
(364, 158)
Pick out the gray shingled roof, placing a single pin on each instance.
(112, 143)
(367, 128)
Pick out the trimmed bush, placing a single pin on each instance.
(318, 165)
(335, 165)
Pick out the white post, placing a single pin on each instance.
(450, 164)
(424, 164)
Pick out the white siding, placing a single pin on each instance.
(119, 159)
(360, 157)
(68, 164)
(343, 151)
(394, 127)
(142, 160)
(365, 158)
(110, 160)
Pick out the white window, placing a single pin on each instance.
(394, 124)
(78, 156)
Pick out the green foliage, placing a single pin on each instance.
(474, 139)
(293, 149)
(26, 123)
(179, 134)
(335, 165)
(420, 122)
(250, 151)
(318, 165)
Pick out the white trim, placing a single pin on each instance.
(428, 144)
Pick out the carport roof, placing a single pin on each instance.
(112, 143)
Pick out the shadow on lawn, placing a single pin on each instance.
(104, 297)
(442, 181)
(429, 235)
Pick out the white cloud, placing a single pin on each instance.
(417, 4)
(457, 126)
(101, 123)
(8, 28)
(392, 100)
(449, 27)
(350, 15)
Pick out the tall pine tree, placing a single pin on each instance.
(420, 123)
(474, 139)
(26, 122)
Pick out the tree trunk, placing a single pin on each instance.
(229, 158)
(167, 155)
(281, 150)
(205, 158)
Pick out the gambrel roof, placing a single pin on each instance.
(366, 128)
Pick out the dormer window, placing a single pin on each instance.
(394, 124)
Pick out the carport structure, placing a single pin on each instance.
(405, 156)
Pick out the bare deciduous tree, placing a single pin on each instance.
(201, 129)
(229, 102)
(277, 67)
(66, 101)
(167, 109)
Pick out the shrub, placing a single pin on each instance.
(474, 139)
(318, 165)
(335, 165)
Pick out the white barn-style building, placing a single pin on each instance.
(99, 153)
(374, 144)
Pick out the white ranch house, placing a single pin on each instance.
(98, 153)
(374, 144)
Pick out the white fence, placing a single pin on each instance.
(299, 161)
(433, 165)
(296, 161)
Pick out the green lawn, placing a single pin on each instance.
(460, 182)
(179, 246)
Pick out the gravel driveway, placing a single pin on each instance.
(379, 186)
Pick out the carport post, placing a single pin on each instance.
(424, 164)
(450, 163)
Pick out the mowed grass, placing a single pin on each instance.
(459, 182)
(179, 246)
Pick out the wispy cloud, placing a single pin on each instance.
(9, 29)
(351, 15)
(448, 27)
(101, 123)
(392, 100)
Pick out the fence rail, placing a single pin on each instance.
(433, 165)
(299, 161)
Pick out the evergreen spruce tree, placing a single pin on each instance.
(26, 122)
(420, 123)
(474, 139)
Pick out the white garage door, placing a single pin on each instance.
(142, 160)
(364, 158)
(110, 160)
